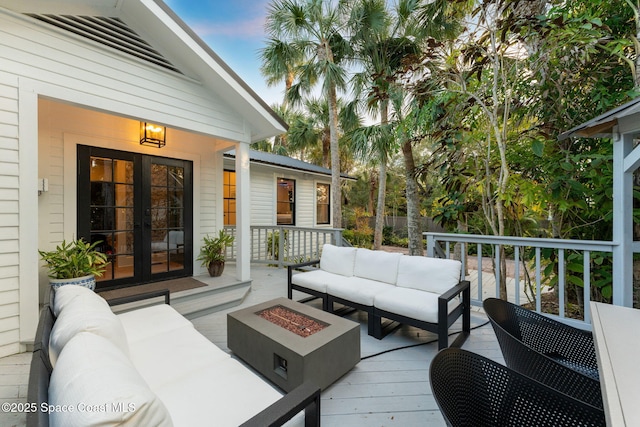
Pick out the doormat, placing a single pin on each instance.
(174, 285)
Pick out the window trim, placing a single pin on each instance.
(291, 202)
(328, 204)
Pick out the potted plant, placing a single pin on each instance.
(212, 253)
(76, 262)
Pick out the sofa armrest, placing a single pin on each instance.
(445, 319)
(304, 397)
(456, 290)
(143, 296)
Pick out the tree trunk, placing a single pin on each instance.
(414, 223)
(382, 189)
(336, 192)
(382, 179)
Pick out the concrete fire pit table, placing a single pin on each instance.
(286, 357)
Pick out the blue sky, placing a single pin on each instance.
(234, 29)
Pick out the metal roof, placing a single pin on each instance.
(285, 162)
(602, 126)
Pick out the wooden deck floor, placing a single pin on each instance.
(387, 388)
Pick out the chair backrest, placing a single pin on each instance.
(472, 390)
(558, 355)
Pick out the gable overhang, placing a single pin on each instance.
(167, 33)
(603, 125)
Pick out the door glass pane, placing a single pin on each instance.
(167, 218)
(111, 218)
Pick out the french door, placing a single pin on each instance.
(140, 209)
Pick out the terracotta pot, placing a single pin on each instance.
(86, 281)
(216, 268)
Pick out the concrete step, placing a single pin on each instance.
(219, 294)
(210, 299)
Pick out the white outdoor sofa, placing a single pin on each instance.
(414, 290)
(146, 367)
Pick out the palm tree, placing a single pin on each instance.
(313, 28)
(310, 132)
(383, 40)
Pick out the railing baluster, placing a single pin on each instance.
(497, 270)
(479, 258)
(516, 272)
(586, 289)
(538, 279)
(561, 282)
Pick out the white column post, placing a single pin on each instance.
(622, 221)
(243, 212)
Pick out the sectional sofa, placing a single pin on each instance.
(427, 293)
(146, 367)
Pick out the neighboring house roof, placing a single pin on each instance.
(149, 30)
(602, 126)
(285, 162)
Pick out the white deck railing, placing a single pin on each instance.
(529, 270)
(298, 245)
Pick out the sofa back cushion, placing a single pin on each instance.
(435, 275)
(377, 265)
(85, 315)
(95, 379)
(64, 294)
(338, 259)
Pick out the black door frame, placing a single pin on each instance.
(142, 226)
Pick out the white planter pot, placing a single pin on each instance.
(86, 281)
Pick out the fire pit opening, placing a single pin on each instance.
(292, 320)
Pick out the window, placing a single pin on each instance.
(323, 195)
(286, 208)
(229, 196)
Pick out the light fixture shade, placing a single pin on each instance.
(151, 134)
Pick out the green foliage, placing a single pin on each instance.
(359, 239)
(214, 248)
(273, 244)
(74, 259)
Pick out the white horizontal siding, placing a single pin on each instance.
(93, 72)
(9, 218)
(263, 203)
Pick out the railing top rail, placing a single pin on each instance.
(590, 245)
(292, 227)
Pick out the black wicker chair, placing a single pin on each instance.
(474, 391)
(558, 355)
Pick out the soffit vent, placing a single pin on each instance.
(111, 32)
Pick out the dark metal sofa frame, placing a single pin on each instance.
(305, 397)
(375, 315)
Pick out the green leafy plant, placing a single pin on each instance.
(214, 248)
(74, 259)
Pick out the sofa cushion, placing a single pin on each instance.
(337, 259)
(428, 274)
(412, 303)
(151, 321)
(95, 379)
(377, 265)
(167, 357)
(357, 289)
(316, 279)
(226, 393)
(64, 294)
(85, 315)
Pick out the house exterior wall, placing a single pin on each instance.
(9, 216)
(39, 63)
(264, 194)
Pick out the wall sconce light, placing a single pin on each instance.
(154, 135)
